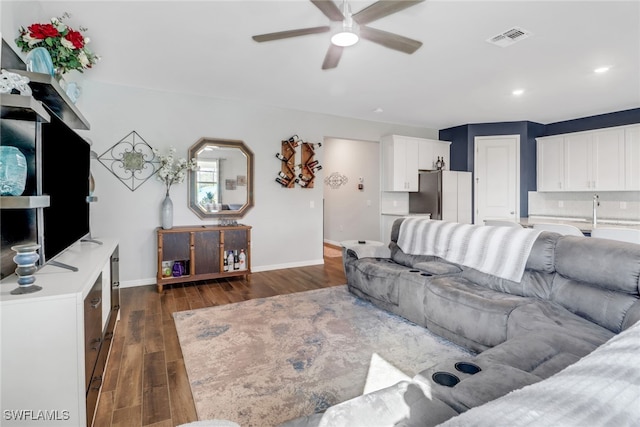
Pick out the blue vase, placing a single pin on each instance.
(13, 171)
(39, 61)
(25, 259)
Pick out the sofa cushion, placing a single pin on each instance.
(541, 354)
(533, 284)
(542, 256)
(469, 310)
(602, 306)
(546, 316)
(378, 278)
(604, 263)
(437, 267)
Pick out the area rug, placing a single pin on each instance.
(265, 361)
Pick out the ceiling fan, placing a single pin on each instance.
(353, 27)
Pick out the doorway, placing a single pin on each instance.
(497, 178)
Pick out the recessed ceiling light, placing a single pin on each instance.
(601, 70)
(518, 92)
(378, 110)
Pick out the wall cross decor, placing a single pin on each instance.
(131, 160)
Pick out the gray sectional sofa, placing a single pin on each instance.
(575, 294)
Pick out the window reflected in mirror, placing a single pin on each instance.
(223, 182)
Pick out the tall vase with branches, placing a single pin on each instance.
(171, 171)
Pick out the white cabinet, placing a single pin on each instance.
(403, 156)
(595, 160)
(399, 163)
(428, 152)
(600, 160)
(456, 197)
(632, 158)
(550, 157)
(47, 363)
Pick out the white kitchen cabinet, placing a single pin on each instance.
(595, 160)
(599, 160)
(456, 197)
(399, 163)
(428, 152)
(55, 342)
(550, 157)
(632, 158)
(403, 156)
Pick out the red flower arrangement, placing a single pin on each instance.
(66, 46)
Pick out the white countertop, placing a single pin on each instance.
(584, 224)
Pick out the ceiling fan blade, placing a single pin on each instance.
(290, 33)
(390, 40)
(333, 57)
(381, 9)
(329, 8)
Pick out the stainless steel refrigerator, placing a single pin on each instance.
(445, 194)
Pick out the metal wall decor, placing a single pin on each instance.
(336, 180)
(131, 160)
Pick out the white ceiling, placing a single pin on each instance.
(455, 78)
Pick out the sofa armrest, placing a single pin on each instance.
(367, 250)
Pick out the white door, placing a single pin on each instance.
(497, 178)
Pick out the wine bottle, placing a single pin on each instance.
(236, 260)
(303, 183)
(230, 260)
(243, 260)
(225, 266)
(281, 157)
(312, 164)
(442, 164)
(305, 178)
(438, 163)
(283, 182)
(317, 168)
(284, 176)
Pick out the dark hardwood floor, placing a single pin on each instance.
(145, 382)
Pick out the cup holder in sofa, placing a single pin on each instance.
(445, 378)
(426, 274)
(414, 271)
(467, 368)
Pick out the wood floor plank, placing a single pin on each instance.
(156, 406)
(146, 347)
(104, 410)
(153, 334)
(113, 365)
(129, 388)
(127, 417)
(155, 370)
(183, 409)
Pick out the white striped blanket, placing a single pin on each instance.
(499, 251)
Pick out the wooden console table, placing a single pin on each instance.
(200, 251)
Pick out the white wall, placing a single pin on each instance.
(287, 231)
(349, 213)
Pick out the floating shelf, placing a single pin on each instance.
(47, 90)
(24, 202)
(18, 107)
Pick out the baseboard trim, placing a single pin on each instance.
(153, 280)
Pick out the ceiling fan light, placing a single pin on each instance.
(345, 38)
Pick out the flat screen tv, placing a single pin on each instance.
(66, 158)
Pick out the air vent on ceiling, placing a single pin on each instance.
(509, 37)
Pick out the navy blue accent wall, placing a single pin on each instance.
(620, 118)
(462, 142)
(462, 155)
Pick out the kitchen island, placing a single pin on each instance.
(584, 224)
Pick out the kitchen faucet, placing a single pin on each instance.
(596, 203)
